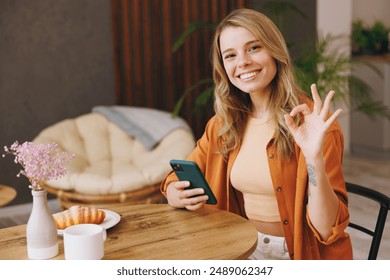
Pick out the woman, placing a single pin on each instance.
(270, 153)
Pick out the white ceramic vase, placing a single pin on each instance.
(41, 231)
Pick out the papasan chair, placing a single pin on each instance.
(122, 154)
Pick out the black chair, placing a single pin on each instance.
(384, 202)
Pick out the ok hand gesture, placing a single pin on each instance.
(310, 134)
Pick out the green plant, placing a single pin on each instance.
(359, 37)
(379, 33)
(278, 10)
(330, 68)
(369, 39)
(191, 28)
(205, 85)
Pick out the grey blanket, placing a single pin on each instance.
(147, 125)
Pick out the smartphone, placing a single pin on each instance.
(189, 171)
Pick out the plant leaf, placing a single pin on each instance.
(203, 98)
(179, 103)
(191, 28)
(372, 109)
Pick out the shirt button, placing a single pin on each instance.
(285, 222)
(271, 156)
(279, 189)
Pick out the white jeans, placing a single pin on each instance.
(270, 247)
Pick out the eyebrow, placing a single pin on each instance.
(247, 43)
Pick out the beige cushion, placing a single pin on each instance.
(107, 159)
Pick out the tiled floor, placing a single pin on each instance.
(374, 174)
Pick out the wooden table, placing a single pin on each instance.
(158, 231)
(7, 194)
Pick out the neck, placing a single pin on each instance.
(260, 103)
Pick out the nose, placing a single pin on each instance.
(244, 60)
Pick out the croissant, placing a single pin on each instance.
(78, 215)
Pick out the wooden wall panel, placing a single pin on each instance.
(148, 74)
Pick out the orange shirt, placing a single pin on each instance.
(289, 180)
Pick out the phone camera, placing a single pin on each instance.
(177, 167)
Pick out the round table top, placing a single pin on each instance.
(159, 232)
(7, 194)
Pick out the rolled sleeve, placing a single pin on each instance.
(338, 230)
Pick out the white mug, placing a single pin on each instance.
(84, 242)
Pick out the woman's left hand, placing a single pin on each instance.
(310, 135)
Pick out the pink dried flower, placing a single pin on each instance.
(40, 162)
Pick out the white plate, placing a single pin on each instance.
(111, 219)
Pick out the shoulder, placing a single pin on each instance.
(214, 124)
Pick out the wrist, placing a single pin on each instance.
(315, 160)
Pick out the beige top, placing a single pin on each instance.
(250, 172)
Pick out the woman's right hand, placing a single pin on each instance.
(179, 197)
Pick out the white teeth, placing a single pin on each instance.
(247, 75)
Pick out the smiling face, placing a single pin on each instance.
(248, 65)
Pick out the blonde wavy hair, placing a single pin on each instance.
(233, 106)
